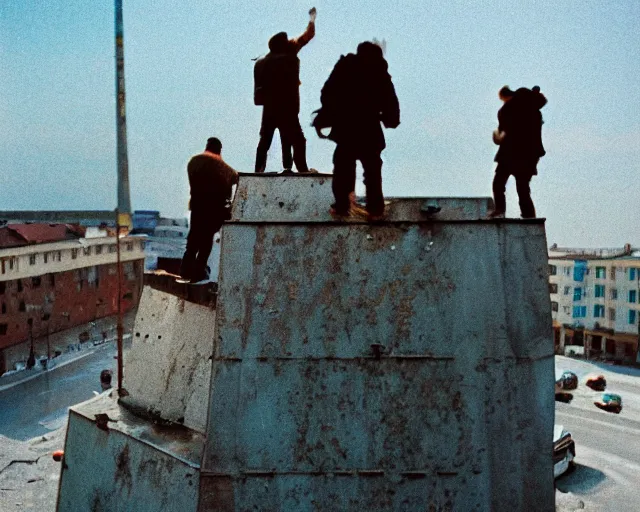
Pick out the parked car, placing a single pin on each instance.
(569, 380)
(564, 451)
(609, 402)
(596, 382)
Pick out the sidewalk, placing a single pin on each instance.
(16, 378)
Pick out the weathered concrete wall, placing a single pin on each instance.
(388, 366)
(127, 465)
(168, 368)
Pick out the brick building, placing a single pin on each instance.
(55, 276)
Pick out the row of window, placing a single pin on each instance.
(599, 292)
(11, 263)
(601, 272)
(598, 312)
(45, 317)
(36, 281)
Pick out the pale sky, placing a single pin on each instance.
(189, 76)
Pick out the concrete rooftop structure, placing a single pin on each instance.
(399, 365)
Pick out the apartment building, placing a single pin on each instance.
(595, 301)
(54, 277)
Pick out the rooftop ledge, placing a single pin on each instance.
(306, 198)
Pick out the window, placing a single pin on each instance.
(98, 249)
(129, 246)
(11, 261)
(19, 285)
(612, 275)
(612, 314)
(567, 290)
(86, 251)
(566, 310)
(32, 259)
(553, 288)
(59, 256)
(601, 273)
(577, 293)
(566, 270)
(3, 329)
(36, 281)
(598, 311)
(74, 254)
(553, 270)
(22, 307)
(579, 311)
(3, 287)
(633, 296)
(632, 316)
(614, 293)
(46, 257)
(600, 290)
(632, 274)
(113, 248)
(554, 306)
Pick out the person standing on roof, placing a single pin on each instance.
(519, 136)
(277, 89)
(211, 181)
(356, 98)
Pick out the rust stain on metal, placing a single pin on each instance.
(123, 469)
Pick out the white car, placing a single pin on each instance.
(564, 451)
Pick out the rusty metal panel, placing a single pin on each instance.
(411, 360)
(274, 198)
(124, 464)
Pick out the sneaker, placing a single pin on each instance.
(309, 171)
(495, 214)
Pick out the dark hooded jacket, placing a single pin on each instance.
(521, 121)
(277, 75)
(357, 96)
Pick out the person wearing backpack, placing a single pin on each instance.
(356, 98)
(519, 136)
(277, 90)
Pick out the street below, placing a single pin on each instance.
(607, 448)
(40, 405)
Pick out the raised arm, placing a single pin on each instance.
(299, 42)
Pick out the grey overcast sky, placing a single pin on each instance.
(189, 76)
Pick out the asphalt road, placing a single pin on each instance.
(607, 474)
(38, 406)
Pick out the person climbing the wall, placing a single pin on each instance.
(211, 182)
(277, 90)
(356, 98)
